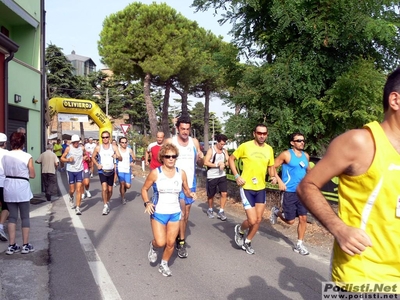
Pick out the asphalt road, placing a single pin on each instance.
(105, 257)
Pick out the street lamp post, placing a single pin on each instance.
(213, 129)
(107, 102)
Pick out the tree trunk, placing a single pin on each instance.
(184, 98)
(165, 116)
(206, 117)
(149, 106)
(59, 129)
(82, 132)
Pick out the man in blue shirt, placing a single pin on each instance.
(295, 165)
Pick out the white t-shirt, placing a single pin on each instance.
(15, 164)
(166, 197)
(187, 160)
(2, 176)
(89, 147)
(77, 154)
(124, 166)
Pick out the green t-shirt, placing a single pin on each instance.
(255, 161)
(57, 149)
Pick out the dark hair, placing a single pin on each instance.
(221, 137)
(165, 148)
(294, 134)
(185, 119)
(392, 85)
(122, 138)
(260, 125)
(17, 140)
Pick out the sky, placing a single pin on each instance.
(75, 25)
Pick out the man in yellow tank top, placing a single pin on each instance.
(366, 252)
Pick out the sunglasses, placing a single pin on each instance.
(105, 137)
(170, 156)
(122, 142)
(261, 133)
(299, 141)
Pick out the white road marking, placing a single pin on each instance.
(99, 272)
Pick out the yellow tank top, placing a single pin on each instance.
(369, 201)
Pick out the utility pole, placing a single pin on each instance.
(107, 102)
(213, 130)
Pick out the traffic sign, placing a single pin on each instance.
(125, 127)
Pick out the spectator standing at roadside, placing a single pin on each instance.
(18, 168)
(103, 157)
(124, 168)
(367, 227)
(4, 209)
(257, 158)
(49, 162)
(216, 160)
(295, 165)
(165, 210)
(189, 156)
(73, 157)
(152, 151)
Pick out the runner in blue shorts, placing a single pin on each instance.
(124, 168)
(165, 210)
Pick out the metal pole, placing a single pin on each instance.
(213, 130)
(107, 101)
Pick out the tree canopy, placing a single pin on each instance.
(320, 66)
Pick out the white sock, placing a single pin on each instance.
(221, 210)
(247, 241)
(164, 263)
(299, 242)
(1, 226)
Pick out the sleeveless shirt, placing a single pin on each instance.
(77, 154)
(294, 171)
(215, 172)
(368, 201)
(106, 159)
(187, 160)
(124, 166)
(166, 192)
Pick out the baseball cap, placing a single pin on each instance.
(3, 137)
(75, 138)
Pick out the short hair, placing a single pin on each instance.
(122, 138)
(294, 134)
(221, 137)
(17, 140)
(21, 129)
(165, 148)
(185, 119)
(49, 147)
(106, 132)
(392, 85)
(260, 125)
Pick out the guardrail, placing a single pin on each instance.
(329, 190)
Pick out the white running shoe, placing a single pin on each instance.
(152, 255)
(106, 210)
(77, 211)
(301, 249)
(83, 196)
(88, 194)
(3, 236)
